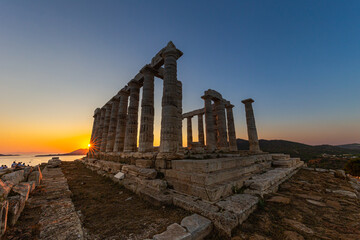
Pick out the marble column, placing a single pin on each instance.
(179, 84)
(98, 140)
(121, 121)
(112, 126)
(222, 143)
(95, 126)
(231, 128)
(105, 126)
(201, 129)
(251, 127)
(146, 139)
(169, 137)
(130, 144)
(189, 132)
(209, 124)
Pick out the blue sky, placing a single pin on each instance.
(299, 60)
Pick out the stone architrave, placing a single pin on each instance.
(251, 127)
(112, 126)
(231, 128)
(169, 138)
(179, 84)
(105, 126)
(130, 144)
(121, 121)
(146, 139)
(209, 124)
(222, 143)
(189, 132)
(98, 139)
(201, 129)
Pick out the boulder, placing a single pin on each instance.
(32, 186)
(27, 171)
(16, 206)
(35, 176)
(5, 171)
(14, 177)
(4, 207)
(4, 189)
(340, 174)
(54, 163)
(22, 189)
(199, 227)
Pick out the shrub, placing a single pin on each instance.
(352, 167)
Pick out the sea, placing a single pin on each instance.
(32, 160)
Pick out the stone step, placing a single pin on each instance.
(280, 156)
(286, 163)
(215, 177)
(217, 164)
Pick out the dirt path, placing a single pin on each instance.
(314, 212)
(110, 211)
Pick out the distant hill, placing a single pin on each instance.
(354, 146)
(8, 155)
(304, 151)
(81, 151)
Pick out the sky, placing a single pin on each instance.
(299, 61)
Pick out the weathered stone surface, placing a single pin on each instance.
(290, 235)
(250, 121)
(298, 226)
(5, 171)
(14, 177)
(173, 232)
(54, 163)
(4, 207)
(316, 203)
(16, 206)
(23, 189)
(36, 177)
(199, 227)
(145, 163)
(340, 174)
(119, 175)
(345, 193)
(280, 199)
(4, 189)
(136, 171)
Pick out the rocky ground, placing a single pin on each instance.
(311, 205)
(109, 211)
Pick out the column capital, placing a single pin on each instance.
(134, 84)
(206, 97)
(123, 92)
(247, 101)
(170, 49)
(147, 69)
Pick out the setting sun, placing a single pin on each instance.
(89, 145)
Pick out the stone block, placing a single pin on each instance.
(173, 232)
(119, 175)
(155, 198)
(145, 163)
(4, 207)
(35, 176)
(22, 189)
(16, 206)
(199, 227)
(14, 177)
(4, 189)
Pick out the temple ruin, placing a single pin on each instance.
(210, 177)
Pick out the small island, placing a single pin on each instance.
(76, 152)
(8, 155)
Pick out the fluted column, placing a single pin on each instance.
(209, 124)
(146, 139)
(95, 125)
(105, 127)
(201, 129)
(251, 127)
(169, 139)
(179, 85)
(221, 125)
(231, 128)
(112, 126)
(99, 131)
(132, 121)
(121, 121)
(189, 132)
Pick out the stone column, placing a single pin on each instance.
(251, 127)
(201, 129)
(231, 128)
(222, 143)
(179, 84)
(99, 131)
(189, 132)
(121, 121)
(112, 126)
(95, 126)
(209, 124)
(146, 139)
(105, 126)
(169, 139)
(132, 121)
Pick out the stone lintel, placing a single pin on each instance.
(213, 94)
(249, 100)
(193, 113)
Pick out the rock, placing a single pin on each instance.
(5, 171)
(16, 206)
(258, 237)
(340, 174)
(14, 177)
(290, 235)
(54, 163)
(32, 186)
(307, 196)
(319, 204)
(4, 207)
(198, 226)
(173, 232)
(279, 199)
(35, 176)
(4, 189)
(119, 175)
(23, 189)
(298, 226)
(333, 204)
(345, 193)
(27, 171)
